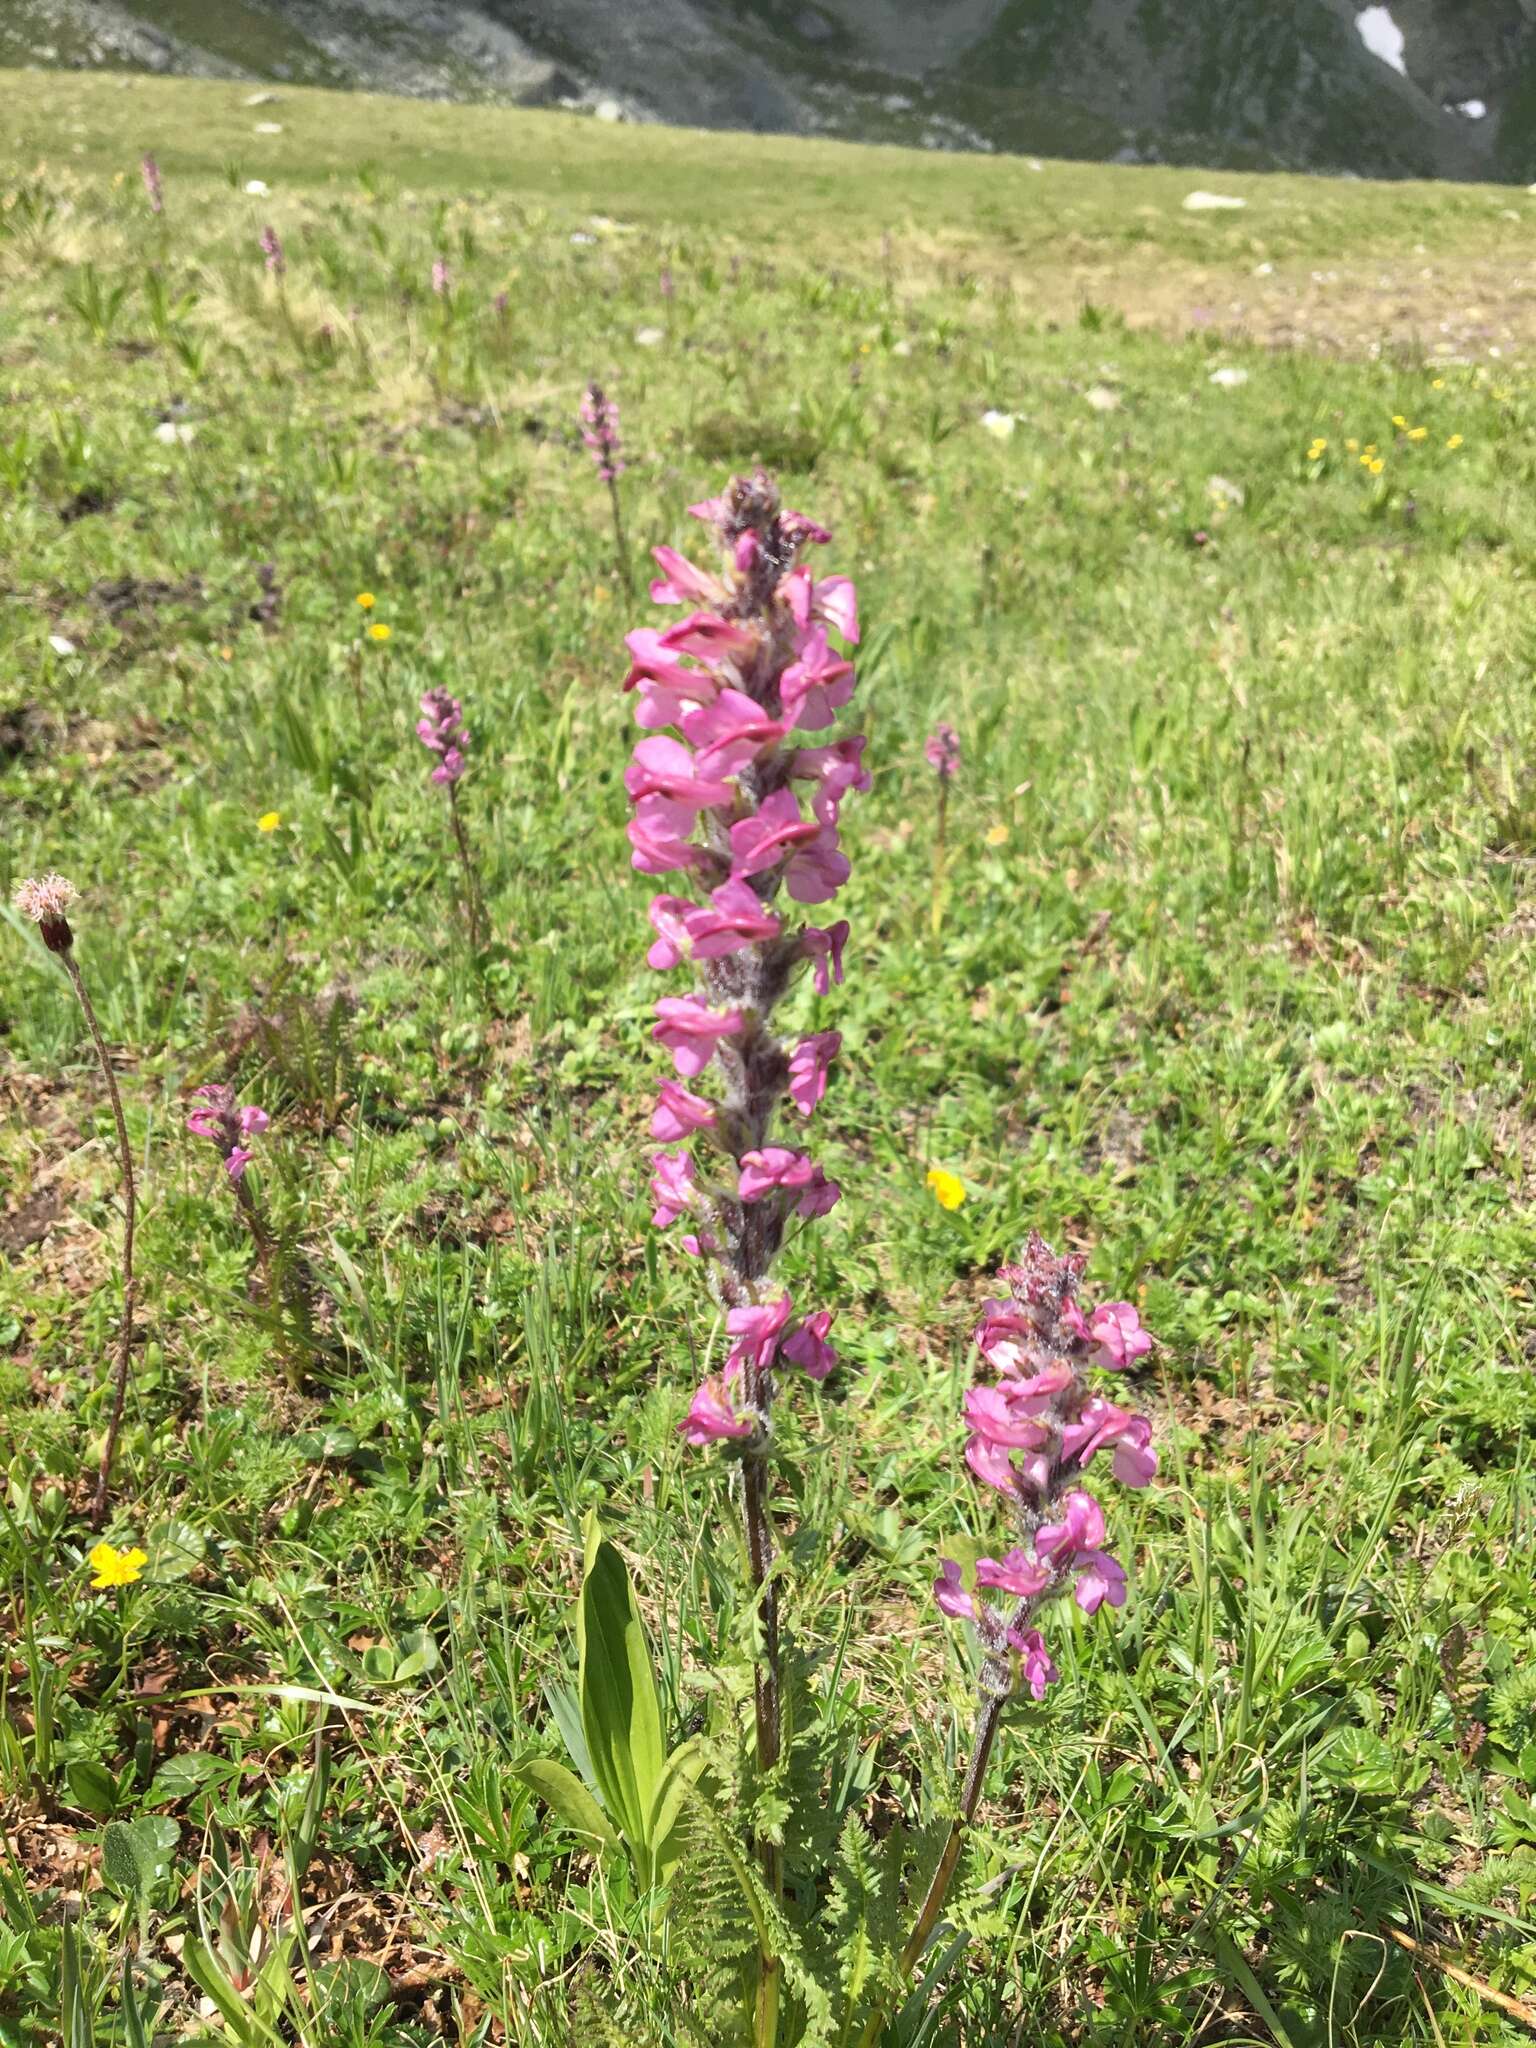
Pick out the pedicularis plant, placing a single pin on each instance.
(804, 1937)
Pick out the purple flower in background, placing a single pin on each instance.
(942, 752)
(220, 1118)
(441, 281)
(600, 431)
(272, 249)
(151, 174)
(442, 731)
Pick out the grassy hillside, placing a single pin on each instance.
(1232, 990)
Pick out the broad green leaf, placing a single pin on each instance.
(563, 1792)
(620, 1711)
(92, 1788)
(664, 1833)
(135, 2034)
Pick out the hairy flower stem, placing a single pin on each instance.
(765, 1687)
(936, 908)
(621, 545)
(474, 903)
(130, 1204)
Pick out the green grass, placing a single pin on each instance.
(1234, 990)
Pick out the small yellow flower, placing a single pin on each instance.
(1353, 447)
(378, 632)
(1318, 445)
(1376, 466)
(997, 835)
(1438, 385)
(948, 1188)
(117, 179)
(1418, 433)
(226, 654)
(114, 1567)
(601, 593)
(269, 821)
(1398, 420)
(365, 600)
(1370, 448)
(1454, 441)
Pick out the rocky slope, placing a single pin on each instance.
(1409, 88)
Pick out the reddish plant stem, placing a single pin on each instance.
(474, 903)
(130, 1206)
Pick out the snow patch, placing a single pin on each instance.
(1212, 202)
(1382, 36)
(1474, 110)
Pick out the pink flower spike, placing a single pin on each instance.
(942, 751)
(657, 834)
(950, 1594)
(837, 602)
(1116, 1329)
(203, 1123)
(667, 688)
(757, 1329)
(808, 1065)
(1017, 1573)
(808, 1347)
(1101, 1578)
(746, 551)
(799, 530)
(664, 767)
(672, 1185)
(681, 583)
(825, 948)
(835, 770)
(679, 1112)
(817, 686)
(712, 1419)
(237, 1160)
(1039, 1671)
(691, 1032)
(814, 870)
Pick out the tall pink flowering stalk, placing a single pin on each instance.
(150, 172)
(600, 431)
(442, 731)
(272, 250)
(745, 806)
(1033, 1431)
(46, 902)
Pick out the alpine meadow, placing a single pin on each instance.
(767, 1089)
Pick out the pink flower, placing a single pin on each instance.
(775, 1166)
(1100, 1577)
(992, 1413)
(1101, 1424)
(949, 1591)
(237, 1160)
(808, 1065)
(712, 1419)
(942, 751)
(808, 1347)
(835, 769)
(708, 636)
(672, 1185)
(691, 1032)
(813, 868)
(1116, 1329)
(657, 832)
(600, 431)
(1018, 1573)
(150, 172)
(440, 279)
(825, 948)
(272, 249)
(1039, 1671)
(679, 1112)
(253, 1121)
(757, 1328)
(796, 528)
(734, 917)
(994, 1467)
(669, 916)
(664, 767)
(681, 583)
(729, 732)
(669, 688)
(1081, 1527)
(998, 1335)
(831, 598)
(442, 731)
(817, 686)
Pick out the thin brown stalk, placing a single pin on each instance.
(474, 903)
(130, 1204)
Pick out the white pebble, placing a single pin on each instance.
(60, 645)
(1228, 377)
(257, 188)
(650, 337)
(999, 425)
(170, 432)
(1212, 202)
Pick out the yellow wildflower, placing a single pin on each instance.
(997, 835)
(1370, 448)
(1438, 385)
(948, 1188)
(269, 821)
(1454, 441)
(226, 654)
(1398, 420)
(378, 632)
(1418, 433)
(365, 600)
(1353, 446)
(1376, 466)
(114, 1567)
(1318, 445)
